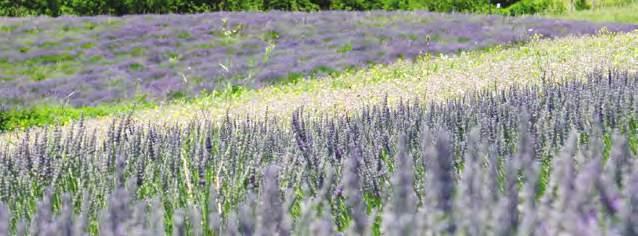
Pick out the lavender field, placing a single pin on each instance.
(543, 160)
(84, 61)
(324, 123)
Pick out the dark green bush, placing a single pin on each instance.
(3, 119)
(458, 5)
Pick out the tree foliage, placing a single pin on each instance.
(123, 7)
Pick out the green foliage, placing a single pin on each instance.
(290, 78)
(122, 7)
(403, 4)
(623, 14)
(571, 7)
(345, 48)
(356, 4)
(528, 7)
(581, 5)
(43, 115)
(176, 95)
(458, 5)
(291, 5)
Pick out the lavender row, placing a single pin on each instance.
(93, 60)
(556, 159)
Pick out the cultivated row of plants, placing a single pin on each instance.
(447, 75)
(86, 61)
(545, 160)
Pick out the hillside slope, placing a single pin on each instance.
(84, 61)
(428, 79)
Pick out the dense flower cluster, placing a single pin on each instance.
(545, 160)
(91, 60)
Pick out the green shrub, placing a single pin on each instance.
(529, 7)
(121, 7)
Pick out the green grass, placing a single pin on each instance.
(42, 115)
(623, 14)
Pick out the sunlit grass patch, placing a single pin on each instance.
(624, 14)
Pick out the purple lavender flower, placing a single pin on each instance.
(160, 54)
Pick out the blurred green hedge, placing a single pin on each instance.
(123, 7)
